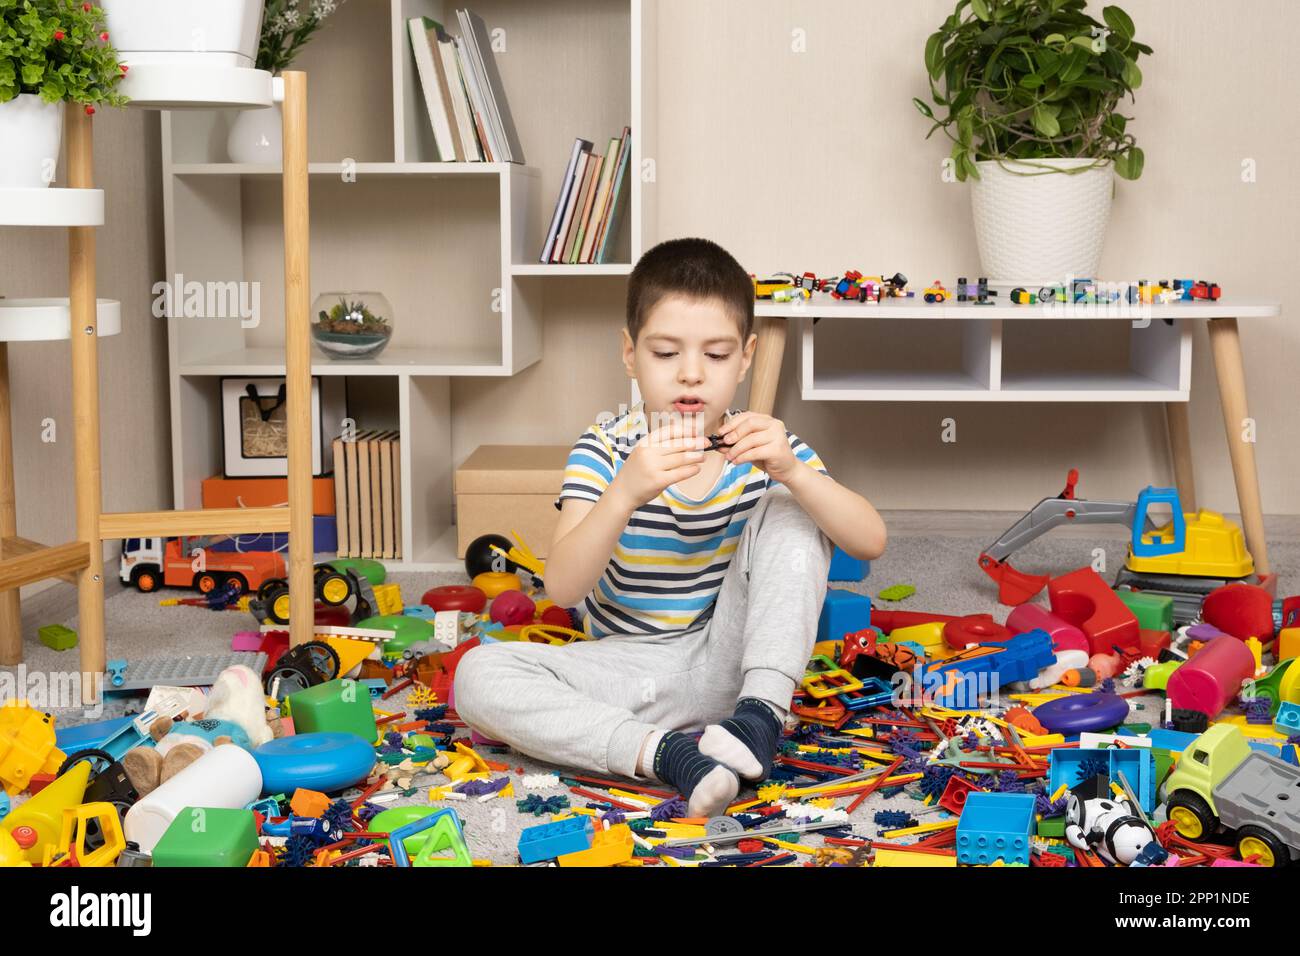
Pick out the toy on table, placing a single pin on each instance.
(937, 293)
(1184, 559)
(763, 288)
(976, 292)
(151, 563)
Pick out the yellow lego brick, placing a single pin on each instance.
(927, 635)
(1288, 643)
(904, 858)
(608, 848)
(388, 598)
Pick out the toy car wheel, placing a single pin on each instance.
(146, 580)
(264, 590)
(324, 658)
(100, 760)
(1191, 815)
(205, 583)
(334, 588)
(285, 680)
(237, 581)
(276, 602)
(1267, 849)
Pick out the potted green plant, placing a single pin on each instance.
(1029, 92)
(287, 27)
(352, 325)
(51, 52)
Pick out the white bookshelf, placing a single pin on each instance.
(453, 246)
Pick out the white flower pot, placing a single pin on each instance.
(30, 131)
(256, 136)
(197, 32)
(1037, 229)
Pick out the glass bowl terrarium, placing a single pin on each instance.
(351, 325)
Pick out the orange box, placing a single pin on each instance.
(219, 492)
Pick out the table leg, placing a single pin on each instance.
(1225, 345)
(11, 617)
(768, 354)
(1180, 450)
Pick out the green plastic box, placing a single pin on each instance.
(1153, 611)
(57, 637)
(1052, 827)
(208, 836)
(338, 705)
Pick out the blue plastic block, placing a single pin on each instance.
(375, 685)
(844, 568)
(549, 840)
(422, 611)
(1023, 656)
(843, 613)
(5, 805)
(995, 826)
(1287, 720)
(1063, 765)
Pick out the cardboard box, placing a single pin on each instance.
(510, 488)
(219, 492)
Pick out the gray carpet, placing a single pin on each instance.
(943, 570)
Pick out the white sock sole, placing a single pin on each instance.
(719, 744)
(714, 793)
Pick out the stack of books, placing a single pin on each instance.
(586, 214)
(367, 495)
(462, 91)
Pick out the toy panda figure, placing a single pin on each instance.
(1111, 827)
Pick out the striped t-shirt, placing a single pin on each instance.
(669, 562)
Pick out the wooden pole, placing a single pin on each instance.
(1225, 344)
(768, 355)
(85, 409)
(297, 347)
(11, 615)
(1180, 449)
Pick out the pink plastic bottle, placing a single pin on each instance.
(1065, 636)
(1212, 677)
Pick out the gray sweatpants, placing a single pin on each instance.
(590, 704)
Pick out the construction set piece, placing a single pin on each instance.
(199, 671)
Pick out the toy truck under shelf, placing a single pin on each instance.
(151, 563)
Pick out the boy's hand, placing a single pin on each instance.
(667, 455)
(761, 439)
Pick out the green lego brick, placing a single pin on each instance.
(208, 836)
(57, 637)
(897, 592)
(1153, 611)
(336, 705)
(1052, 827)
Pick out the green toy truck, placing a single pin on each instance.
(1220, 780)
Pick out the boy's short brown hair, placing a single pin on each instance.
(696, 268)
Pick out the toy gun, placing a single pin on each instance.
(1015, 587)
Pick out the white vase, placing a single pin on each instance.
(31, 131)
(1033, 230)
(256, 135)
(197, 32)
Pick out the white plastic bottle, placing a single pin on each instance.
(226, 776)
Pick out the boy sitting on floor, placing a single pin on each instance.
(700, 572)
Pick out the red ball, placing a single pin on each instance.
(557, 616)
(513, 607)
(455, 597)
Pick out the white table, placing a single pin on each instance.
(1159, 370)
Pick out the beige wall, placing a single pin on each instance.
(136, 463)
(818, 161)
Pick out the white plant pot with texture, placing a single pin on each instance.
(195, 32)
(30, 131)
(1040, 228)
(256, 136)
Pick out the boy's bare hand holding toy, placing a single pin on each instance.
(671, 453)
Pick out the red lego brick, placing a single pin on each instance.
(1083, 599)
(1151, 643)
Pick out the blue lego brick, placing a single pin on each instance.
(5, 805)
(844, 568)
(549, 840)
(422, 611)
(1287, 720)
(325, 539)
(995, 826)
(843, 613)
(375, 685)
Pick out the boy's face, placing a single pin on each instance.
(688, 360)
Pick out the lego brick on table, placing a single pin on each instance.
(1083, 599)
(219, 492)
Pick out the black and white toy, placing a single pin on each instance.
(1110, 826)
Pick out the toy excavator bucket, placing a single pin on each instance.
(1014, 587)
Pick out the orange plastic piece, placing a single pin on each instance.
(1022, 719)
(308, 803)
(608, 848)
(260, 858)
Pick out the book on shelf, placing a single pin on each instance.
(463, 93)
(587, 208)
(368, 492)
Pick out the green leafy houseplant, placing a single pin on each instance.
(287, 25)
(59, 50)
(352, 318)
(1030, 80)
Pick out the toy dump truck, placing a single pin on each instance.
(1221, 781)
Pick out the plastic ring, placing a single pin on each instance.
(325, 761)
(1078, 713)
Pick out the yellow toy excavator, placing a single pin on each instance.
(1185, 559)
